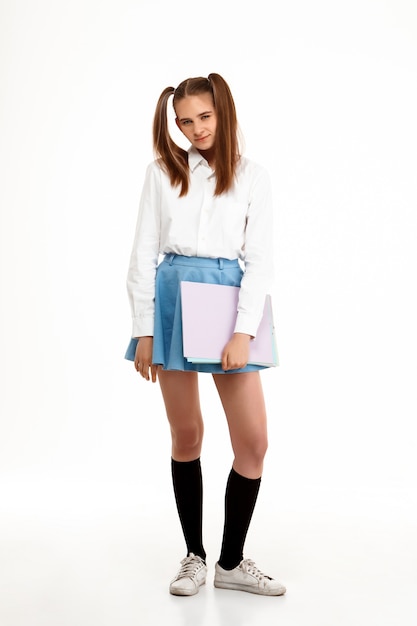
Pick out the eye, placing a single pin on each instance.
(205, 117)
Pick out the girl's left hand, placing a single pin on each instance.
(236, 352)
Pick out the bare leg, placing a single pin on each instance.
(180, 393)
(182, 404)
(243, 402)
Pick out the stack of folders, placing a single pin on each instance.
(208, 320)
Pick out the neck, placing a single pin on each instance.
(209, 156)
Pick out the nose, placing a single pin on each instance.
(198, 129)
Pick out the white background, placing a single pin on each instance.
(326, 94)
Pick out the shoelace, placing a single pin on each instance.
(189, 566)
(249, 567)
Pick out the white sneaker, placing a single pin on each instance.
(191, 575)
(247, 577)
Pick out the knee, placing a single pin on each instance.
(253, 451)
(187, 439)
(258, 448)
(249, 457)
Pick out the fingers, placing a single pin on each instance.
(233, 359)
(143, 358)
(154, 372)
(230, 363)
(143, 370)
(236, 352)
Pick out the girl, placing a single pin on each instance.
(208, 210)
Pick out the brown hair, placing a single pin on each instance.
(174, 158)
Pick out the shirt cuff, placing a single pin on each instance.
(245, 324)
(142, 326)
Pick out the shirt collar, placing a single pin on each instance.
(195, 159)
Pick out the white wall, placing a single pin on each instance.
(326, 94)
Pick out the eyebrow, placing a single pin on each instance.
(182, 119)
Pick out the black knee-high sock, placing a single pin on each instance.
(188, 489)
(240, 499)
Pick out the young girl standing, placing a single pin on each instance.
(208, 211)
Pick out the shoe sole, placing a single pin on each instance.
(237, 587)
(186, 592)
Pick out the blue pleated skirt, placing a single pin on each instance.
(167, 342)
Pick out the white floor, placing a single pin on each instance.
(91, 554)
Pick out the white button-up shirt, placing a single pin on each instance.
(237, 224)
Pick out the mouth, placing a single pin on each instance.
(202, 138)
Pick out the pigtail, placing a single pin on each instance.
(174, 158)
(227, 144)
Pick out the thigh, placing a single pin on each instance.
(181, 396)
(243, 401)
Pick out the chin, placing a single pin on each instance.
(204, 146)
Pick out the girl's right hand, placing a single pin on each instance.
(143, 359)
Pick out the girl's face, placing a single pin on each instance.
(196, 118)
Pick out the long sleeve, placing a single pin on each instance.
(144, 256)
(258, 255)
